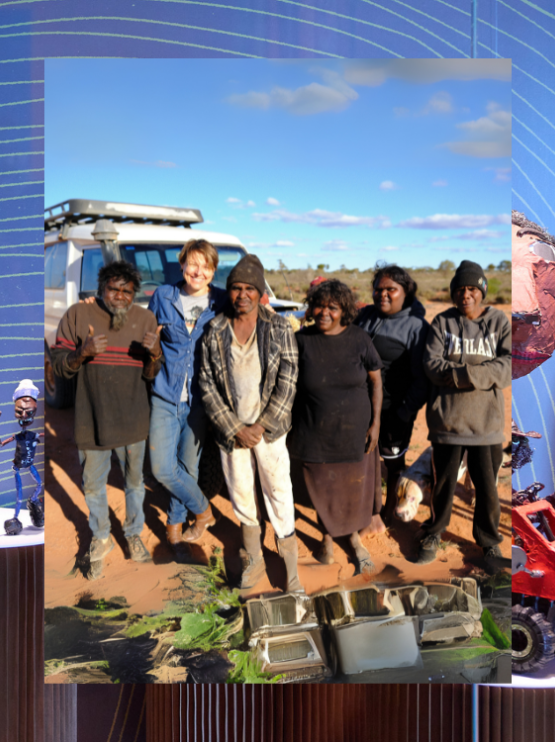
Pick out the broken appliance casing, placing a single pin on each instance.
(375, 628)
(286, 638)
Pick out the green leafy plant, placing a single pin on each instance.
(248, 669)
(492, 633)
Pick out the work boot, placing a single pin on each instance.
(427, 551)
(202, 522)
(137, 550)
(100, 547)
(251, 557)
(288, 551)
(181, 550)
(494, 559)
(492, 552)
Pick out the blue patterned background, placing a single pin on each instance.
(31, 30)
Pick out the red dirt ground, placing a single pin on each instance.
(145, 586)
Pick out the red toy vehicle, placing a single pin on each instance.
(533, 621)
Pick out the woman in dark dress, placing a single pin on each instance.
(396, 324)
(336, 419)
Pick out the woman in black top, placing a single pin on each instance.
(336, 418)
(396, 324)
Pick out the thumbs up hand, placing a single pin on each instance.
(93, 345)
(151, 342)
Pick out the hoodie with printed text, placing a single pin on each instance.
(476, 354)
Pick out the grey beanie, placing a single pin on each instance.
(248, 270)
(469, 274)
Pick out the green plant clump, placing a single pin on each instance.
(492, 633)
(202, 631)
(248, 669)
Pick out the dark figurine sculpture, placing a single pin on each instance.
(25, 398)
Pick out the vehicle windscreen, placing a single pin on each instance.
(157, 264)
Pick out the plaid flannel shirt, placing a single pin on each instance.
(280, 366)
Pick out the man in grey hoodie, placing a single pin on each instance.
(468, 361)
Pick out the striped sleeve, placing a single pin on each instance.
(66, 342)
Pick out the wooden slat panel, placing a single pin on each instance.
(21, 643)
(311, 713)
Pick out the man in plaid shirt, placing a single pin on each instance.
(248, 381)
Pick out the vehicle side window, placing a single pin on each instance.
(92, 262)
(55, 262)
(229, 257)
(149, 263)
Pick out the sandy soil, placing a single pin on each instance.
(146, 586)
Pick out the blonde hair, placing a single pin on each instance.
(205, 248)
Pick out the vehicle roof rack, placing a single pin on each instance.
(84, 211)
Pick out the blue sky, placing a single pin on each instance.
(341, 162)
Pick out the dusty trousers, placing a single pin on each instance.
(272, 461)
(483, 467)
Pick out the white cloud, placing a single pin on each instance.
(440, 183)
(457, 249)
(250, 100)
(237, 203)
(272, 201)
(455, 221)
(157, 163)
(335, 246)
(401, 112)
(266, 245)
(334, 95)
(480, 149)
(322, 218)
(502, 174)
(476, 234)
(388, 185)
(488, 136)
(441, 102)
(372, 72)
(388, 248)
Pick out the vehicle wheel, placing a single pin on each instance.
(58, 393)
(533, 639)
(210, 476)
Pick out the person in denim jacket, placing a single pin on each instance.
(178, 421)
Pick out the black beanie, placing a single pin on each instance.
(248, 270)
(469, 274)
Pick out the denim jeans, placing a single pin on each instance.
(19, 487)
(96, 467)
(177, 434)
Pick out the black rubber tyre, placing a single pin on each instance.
(210, 476)
(58, 393)
(533, 640)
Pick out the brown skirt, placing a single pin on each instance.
(344, 494)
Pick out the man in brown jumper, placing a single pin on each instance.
(113, 348)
